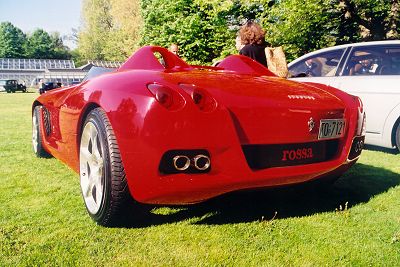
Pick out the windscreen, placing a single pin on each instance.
(96, 71)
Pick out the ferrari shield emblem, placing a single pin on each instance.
(311, 124)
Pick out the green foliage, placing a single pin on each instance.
(12, 41)
(77, 58)
(200, 28)
(205, 29)
(299, 25)
(43, 45)
(40, 44)
(110, 29)
(95, 29)
(302, 26)
(58, 49)
(377, 19)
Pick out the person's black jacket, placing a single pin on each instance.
(256, 52)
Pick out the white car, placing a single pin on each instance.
(2, 83)
(370, 70)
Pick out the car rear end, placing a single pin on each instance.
(205, 135)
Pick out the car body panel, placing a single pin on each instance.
(253, 108)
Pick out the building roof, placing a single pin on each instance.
(35, 64)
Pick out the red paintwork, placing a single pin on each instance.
(253, 107)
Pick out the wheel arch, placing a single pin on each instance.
(85, 112)
(390, 126)
(35, 104)
(394, 128)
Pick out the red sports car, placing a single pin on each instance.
(160, 131)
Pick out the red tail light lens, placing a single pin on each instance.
(360, 105)
(361, 124)
(201, 98)
(167, 97)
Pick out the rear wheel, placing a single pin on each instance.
(398, 137)
(102, 175)
(37, 142)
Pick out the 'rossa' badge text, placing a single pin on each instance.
(296, 154)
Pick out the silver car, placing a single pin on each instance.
(370, 70)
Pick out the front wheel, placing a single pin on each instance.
(398, 137)
(102, 175)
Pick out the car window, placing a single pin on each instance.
(373, 60)
(320, 65)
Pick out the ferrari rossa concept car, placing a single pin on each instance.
(160, 131)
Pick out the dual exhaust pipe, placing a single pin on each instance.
(199, 162)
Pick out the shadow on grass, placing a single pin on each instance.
(358, 185)
(382, 149)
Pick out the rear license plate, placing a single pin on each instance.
(331, 128)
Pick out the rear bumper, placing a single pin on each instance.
(187, 190)
(143, 144)
(229, 172)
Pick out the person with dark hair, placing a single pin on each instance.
(253, 38)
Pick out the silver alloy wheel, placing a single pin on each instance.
(35, 132)
(91, 168)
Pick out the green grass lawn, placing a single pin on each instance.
(43, 220)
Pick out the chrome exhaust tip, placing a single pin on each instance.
(181, 162)
(201, 162)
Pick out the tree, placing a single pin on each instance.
(125, 34)
(377, 20)
(300, 26)
(305, 25)
(12, 41)
(205, 29)
(110, 30)
(39, 44)
(96, 27)
(59, 50)
(199, 27)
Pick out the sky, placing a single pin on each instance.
(49, 15)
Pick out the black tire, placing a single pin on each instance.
(108, 208)
(37, 142)
(398, 137)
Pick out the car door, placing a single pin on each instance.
(320, 68)
(372, 73)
